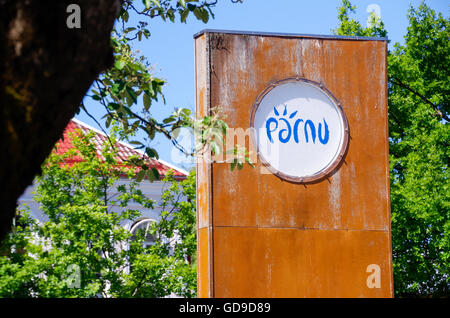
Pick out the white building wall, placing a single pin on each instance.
(153, 190)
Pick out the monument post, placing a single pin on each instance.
(312, 218)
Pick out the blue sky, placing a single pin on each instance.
(170, 49)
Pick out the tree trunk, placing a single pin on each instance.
(45, 70)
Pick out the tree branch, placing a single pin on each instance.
(156, 126)
(98, 124)
(398, 82)
(141, 282)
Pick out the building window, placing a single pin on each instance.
(143, 227)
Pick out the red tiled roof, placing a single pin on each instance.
(124, 150)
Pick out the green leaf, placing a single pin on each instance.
(132, 94)
(125, 16)
(113, 106)
(201, 14)
(156, 173)
(186, 111)
(150, 131)
(140, 175)
(147, 101)
(150, 92)
(169, 120)
(119, 64)
(152, 174)
(147, 3)
(233, 164)
(206, 120)
(215, 148)
(127, 110)
(108, 121)
(152, 153)
(247, 159)
(171, 15)
(128, 30)
(146, 33)
(184, 15)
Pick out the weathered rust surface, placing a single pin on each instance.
(260, 236)
(281, 262)
(204, 224)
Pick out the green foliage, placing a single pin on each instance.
(83, 250)
(176, 246)
(349, 26)
(128, 89)
(419, 149)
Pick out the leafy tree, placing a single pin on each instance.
(127, 90)
(83, 250)
(45, 65)
(45, 70)
(419, 137)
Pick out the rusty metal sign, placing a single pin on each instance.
(312, 220)
(299, 130)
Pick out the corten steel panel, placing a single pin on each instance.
(280, 262)
(204, 235)
(269, 237)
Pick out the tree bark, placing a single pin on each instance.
(45, 70)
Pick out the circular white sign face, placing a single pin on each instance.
(301, 132)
